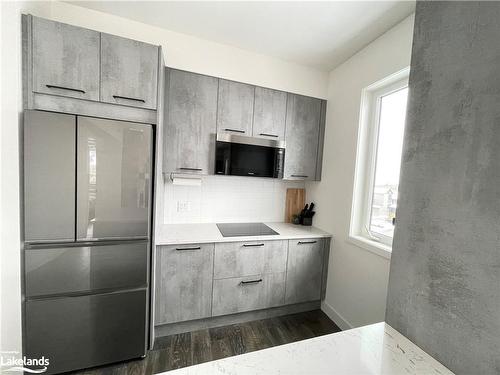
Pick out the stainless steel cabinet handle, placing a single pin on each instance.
(128, 98)
(250, 282)
(234, 130)
(253, 244)
(306, 242)
(190, 169)
(188, 248)
(300, 175)
(64, 88)
(269, 135)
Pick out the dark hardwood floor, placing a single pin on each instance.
(186, 349)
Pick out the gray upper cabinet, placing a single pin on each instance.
(65, 60)
(304, 270)
(235, 107)
(129, 72)
(183, 283)
(269, 114)
(190, 122)
(302, 137)
(49, 170)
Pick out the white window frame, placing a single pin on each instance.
(366, 159)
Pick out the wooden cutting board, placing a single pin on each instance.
(295, 202)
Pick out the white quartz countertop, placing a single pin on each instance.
(175, 234)
(373, 349)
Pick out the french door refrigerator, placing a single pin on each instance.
(87, 213)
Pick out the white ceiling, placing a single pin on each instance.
(317, 34)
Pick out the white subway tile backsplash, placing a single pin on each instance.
(227, 199)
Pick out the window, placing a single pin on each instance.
(380, 143)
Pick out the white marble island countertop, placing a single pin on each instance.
(176, 234)
(373, 349)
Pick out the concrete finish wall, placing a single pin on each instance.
(444, 284)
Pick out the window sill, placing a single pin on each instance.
(372, 246)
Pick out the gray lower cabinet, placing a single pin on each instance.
(129, 72)
(239, 294)
(183, 282)
(302, 137)
(269, 114)
(304, 270)
(235, 259)
(235, 107)
(190, 122)
(65, 60)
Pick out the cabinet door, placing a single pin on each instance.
(302, 137)
(49, 176)
(65, 60)
(304, 270)
(269, 114)
(189, 135)
(235, 107)
(129, 72)
(183, 283)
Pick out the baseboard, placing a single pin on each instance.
(335, 316)
(218, 321)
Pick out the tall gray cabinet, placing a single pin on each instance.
(303, 123)
(190, 122)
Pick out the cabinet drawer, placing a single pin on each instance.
(86, 331)
(183, 282)
(304, 270)
(248, 293)
(78, 269)
(237, 259)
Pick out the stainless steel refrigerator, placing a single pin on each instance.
(87, 214)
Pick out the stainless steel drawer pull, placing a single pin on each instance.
(250, 282)
(188, 248)
(64, 88)
(306, 242)
(190, 169)
(128, 98)
(253, 244)
(300, 175)
(269, 135)
(234, 130)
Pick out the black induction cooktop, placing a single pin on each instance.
(245, 229)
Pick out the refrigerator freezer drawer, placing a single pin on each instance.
(80, 269)
(86, 331)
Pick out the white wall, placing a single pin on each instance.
(228, 199)
(194, 54)
(357, 279)
(181, 51)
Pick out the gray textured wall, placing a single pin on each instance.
(444, 285)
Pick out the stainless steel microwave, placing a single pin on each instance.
(240, 155)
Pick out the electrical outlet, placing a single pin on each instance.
(183, 206)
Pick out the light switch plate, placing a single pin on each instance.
(183, 206)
